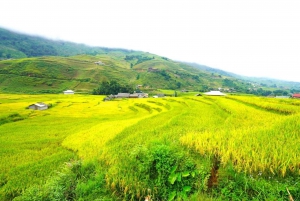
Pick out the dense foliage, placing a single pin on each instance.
(112, 87)
(137, 58)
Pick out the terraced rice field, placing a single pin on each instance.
(251, 136)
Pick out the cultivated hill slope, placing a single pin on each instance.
(30, 64)
(53, 74)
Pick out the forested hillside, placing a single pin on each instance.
(16, 45)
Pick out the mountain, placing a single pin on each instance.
(17, 45)
(212, 70)
(261, 82)
(31, 64)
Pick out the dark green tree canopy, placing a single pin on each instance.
(112, 87)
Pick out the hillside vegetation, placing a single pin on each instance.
(82, 74)
(17, 45)
(32, 64)
(184, 148)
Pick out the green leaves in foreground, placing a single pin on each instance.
(159, 170)
(175, 178)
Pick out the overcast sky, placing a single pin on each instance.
(248, 37)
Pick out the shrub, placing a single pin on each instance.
(160, 171)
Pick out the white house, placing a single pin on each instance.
(214, 93)
(38, 106)
(68, 92)
(99, 63)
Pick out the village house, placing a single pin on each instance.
(296, 96)
(69, 92)
(138, 95)
(38, 106)
(159, 96)
(122, 95)
(282, 97)
(100, 63)
(214, 93)
(127, 95)
(142, 95)
(150, 69)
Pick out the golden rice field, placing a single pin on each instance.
(253, 135)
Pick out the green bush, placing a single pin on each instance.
(160, 171)
(11, 118)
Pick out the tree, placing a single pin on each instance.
(175, 93)
(113, 87)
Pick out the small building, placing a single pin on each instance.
(159, 96)
(134, 95)
(296, 96)
(214, 93)
(100, 63)
(122, 95)
(38, 106)
(142, 95)
(282, 97)
(150, 69)
(127, 95)
(69, 92)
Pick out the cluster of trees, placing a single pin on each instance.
(139, 58)
(164, 74)
(228, 83)
(112, 87)
(262, 92)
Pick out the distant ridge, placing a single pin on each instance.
(16, 45)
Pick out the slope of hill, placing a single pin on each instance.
(33, 64)
(53, 74)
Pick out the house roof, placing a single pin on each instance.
(281, 96)
(70, 91)
(296, 95)
(123, 95)
(39, 104)
(215, 93)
